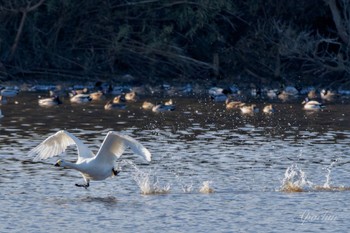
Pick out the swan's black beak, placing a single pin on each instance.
(58, 163)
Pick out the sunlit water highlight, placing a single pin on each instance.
(259, 173)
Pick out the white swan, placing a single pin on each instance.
(92, 167)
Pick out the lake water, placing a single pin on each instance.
(213, 170)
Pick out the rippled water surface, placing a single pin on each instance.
(213, 170)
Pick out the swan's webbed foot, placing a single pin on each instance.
(83, 185)
(115, 171)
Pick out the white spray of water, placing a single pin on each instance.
(295, 180)
(206, 187)
(185, 183)
(327, 185)
(147, 181)
(187, 188)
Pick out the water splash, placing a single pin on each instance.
(147, 181)
(185, 183)
(295, 180)
(149, 184)
(327, 185)
(206, 187)
(187, 188)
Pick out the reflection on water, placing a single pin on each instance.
(240, 161)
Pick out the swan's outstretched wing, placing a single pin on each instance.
(57, 144)
(115, 144)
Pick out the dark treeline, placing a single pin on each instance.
(175, 40)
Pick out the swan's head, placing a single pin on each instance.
(58, 163)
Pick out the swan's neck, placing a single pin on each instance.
(67, 164)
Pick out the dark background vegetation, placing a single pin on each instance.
(260, 41)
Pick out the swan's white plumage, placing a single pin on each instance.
(91, 167)
(114, 144)
(56, 144)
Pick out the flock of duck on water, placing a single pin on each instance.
(233, 97)
(235, 100)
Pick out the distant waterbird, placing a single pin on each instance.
(232, 104)
(49, 102)
(9, 91)
(249, 109)
(80, 98)
(131, 96)
(328, 95)
(110, 105)
(147, 105)
(268, 109)
(312, 104)
(98, 95)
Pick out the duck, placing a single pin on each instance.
(271, 94)
(163, 107)
(312, 104)
(92, 167)
(312, 94)
(119, 99)
(169, 102)
(49, 102)
(219, 94)
(147, 105)
(328, 95)
(84, 90)
(98, 95)
(286, 96)
(268, 109)
(118, 102)
(80, 98)
(131, 96)
(110, 105)
(231, 104)
(249, 109)
(9, 91)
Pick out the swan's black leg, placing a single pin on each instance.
(83, 185)
(115, 171)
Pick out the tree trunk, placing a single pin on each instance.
(18, 35)
(338, 21)
(216, 64)
(24, 12)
